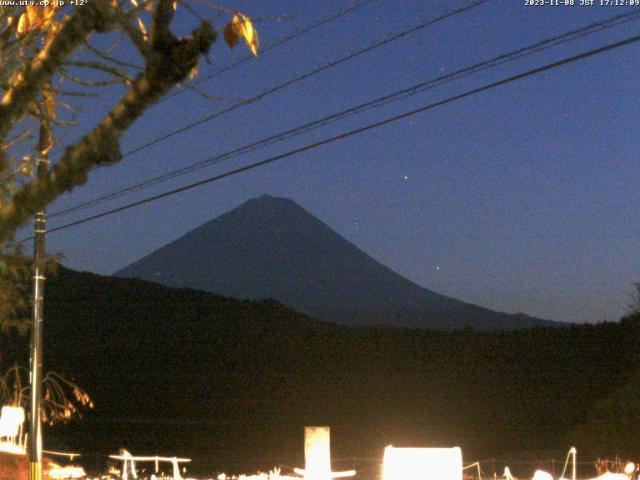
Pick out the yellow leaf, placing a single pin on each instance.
(243, 27)
(194, 71)
(143, 29)
(36, 18)
(25, 22)
(49, 15)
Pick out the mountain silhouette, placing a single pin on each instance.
(271, 247)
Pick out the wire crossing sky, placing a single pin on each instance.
(520, 199)
(350, 133)
(413, 90)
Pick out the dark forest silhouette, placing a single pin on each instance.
(232, 383)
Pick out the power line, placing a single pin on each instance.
(353, 132)
(398, 95)
(430, 21)
(311, 73)
(340, 13)
(335, 16)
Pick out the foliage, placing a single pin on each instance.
(37, 66)
(62, 399)
(242, 28)
(49, 57)
(610, 427)
(15, 287)
(634, 305)
(14, 290)
(37, 48)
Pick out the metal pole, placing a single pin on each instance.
(34, 446)
(35, 427)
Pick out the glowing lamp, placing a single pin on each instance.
(10, 421)
(542, 475)
(422, 464)
(629, 468)
(317, 456)
(317, 453)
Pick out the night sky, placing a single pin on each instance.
(521, 199)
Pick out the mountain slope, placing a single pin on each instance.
(272, 248)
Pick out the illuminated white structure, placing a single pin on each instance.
(58, 472)
(629, 468)
(612, 476)
(422, 464)
(542, 475)
(317, 456)
(63, 473)
(11, 421)
(129, 464)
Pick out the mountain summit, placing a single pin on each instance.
(271, 247)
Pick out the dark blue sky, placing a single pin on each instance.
(520, 199)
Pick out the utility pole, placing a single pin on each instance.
(34, 444)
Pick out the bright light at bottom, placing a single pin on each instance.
(422, 464)
(542, 475)
(60, 473)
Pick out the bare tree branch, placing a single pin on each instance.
(100, 67)
(95, 16)
(169, 61)
(111, 59)
(92, 83)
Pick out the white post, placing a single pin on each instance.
(317, 453)
(176, 469)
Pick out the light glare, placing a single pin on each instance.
(422, 464)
